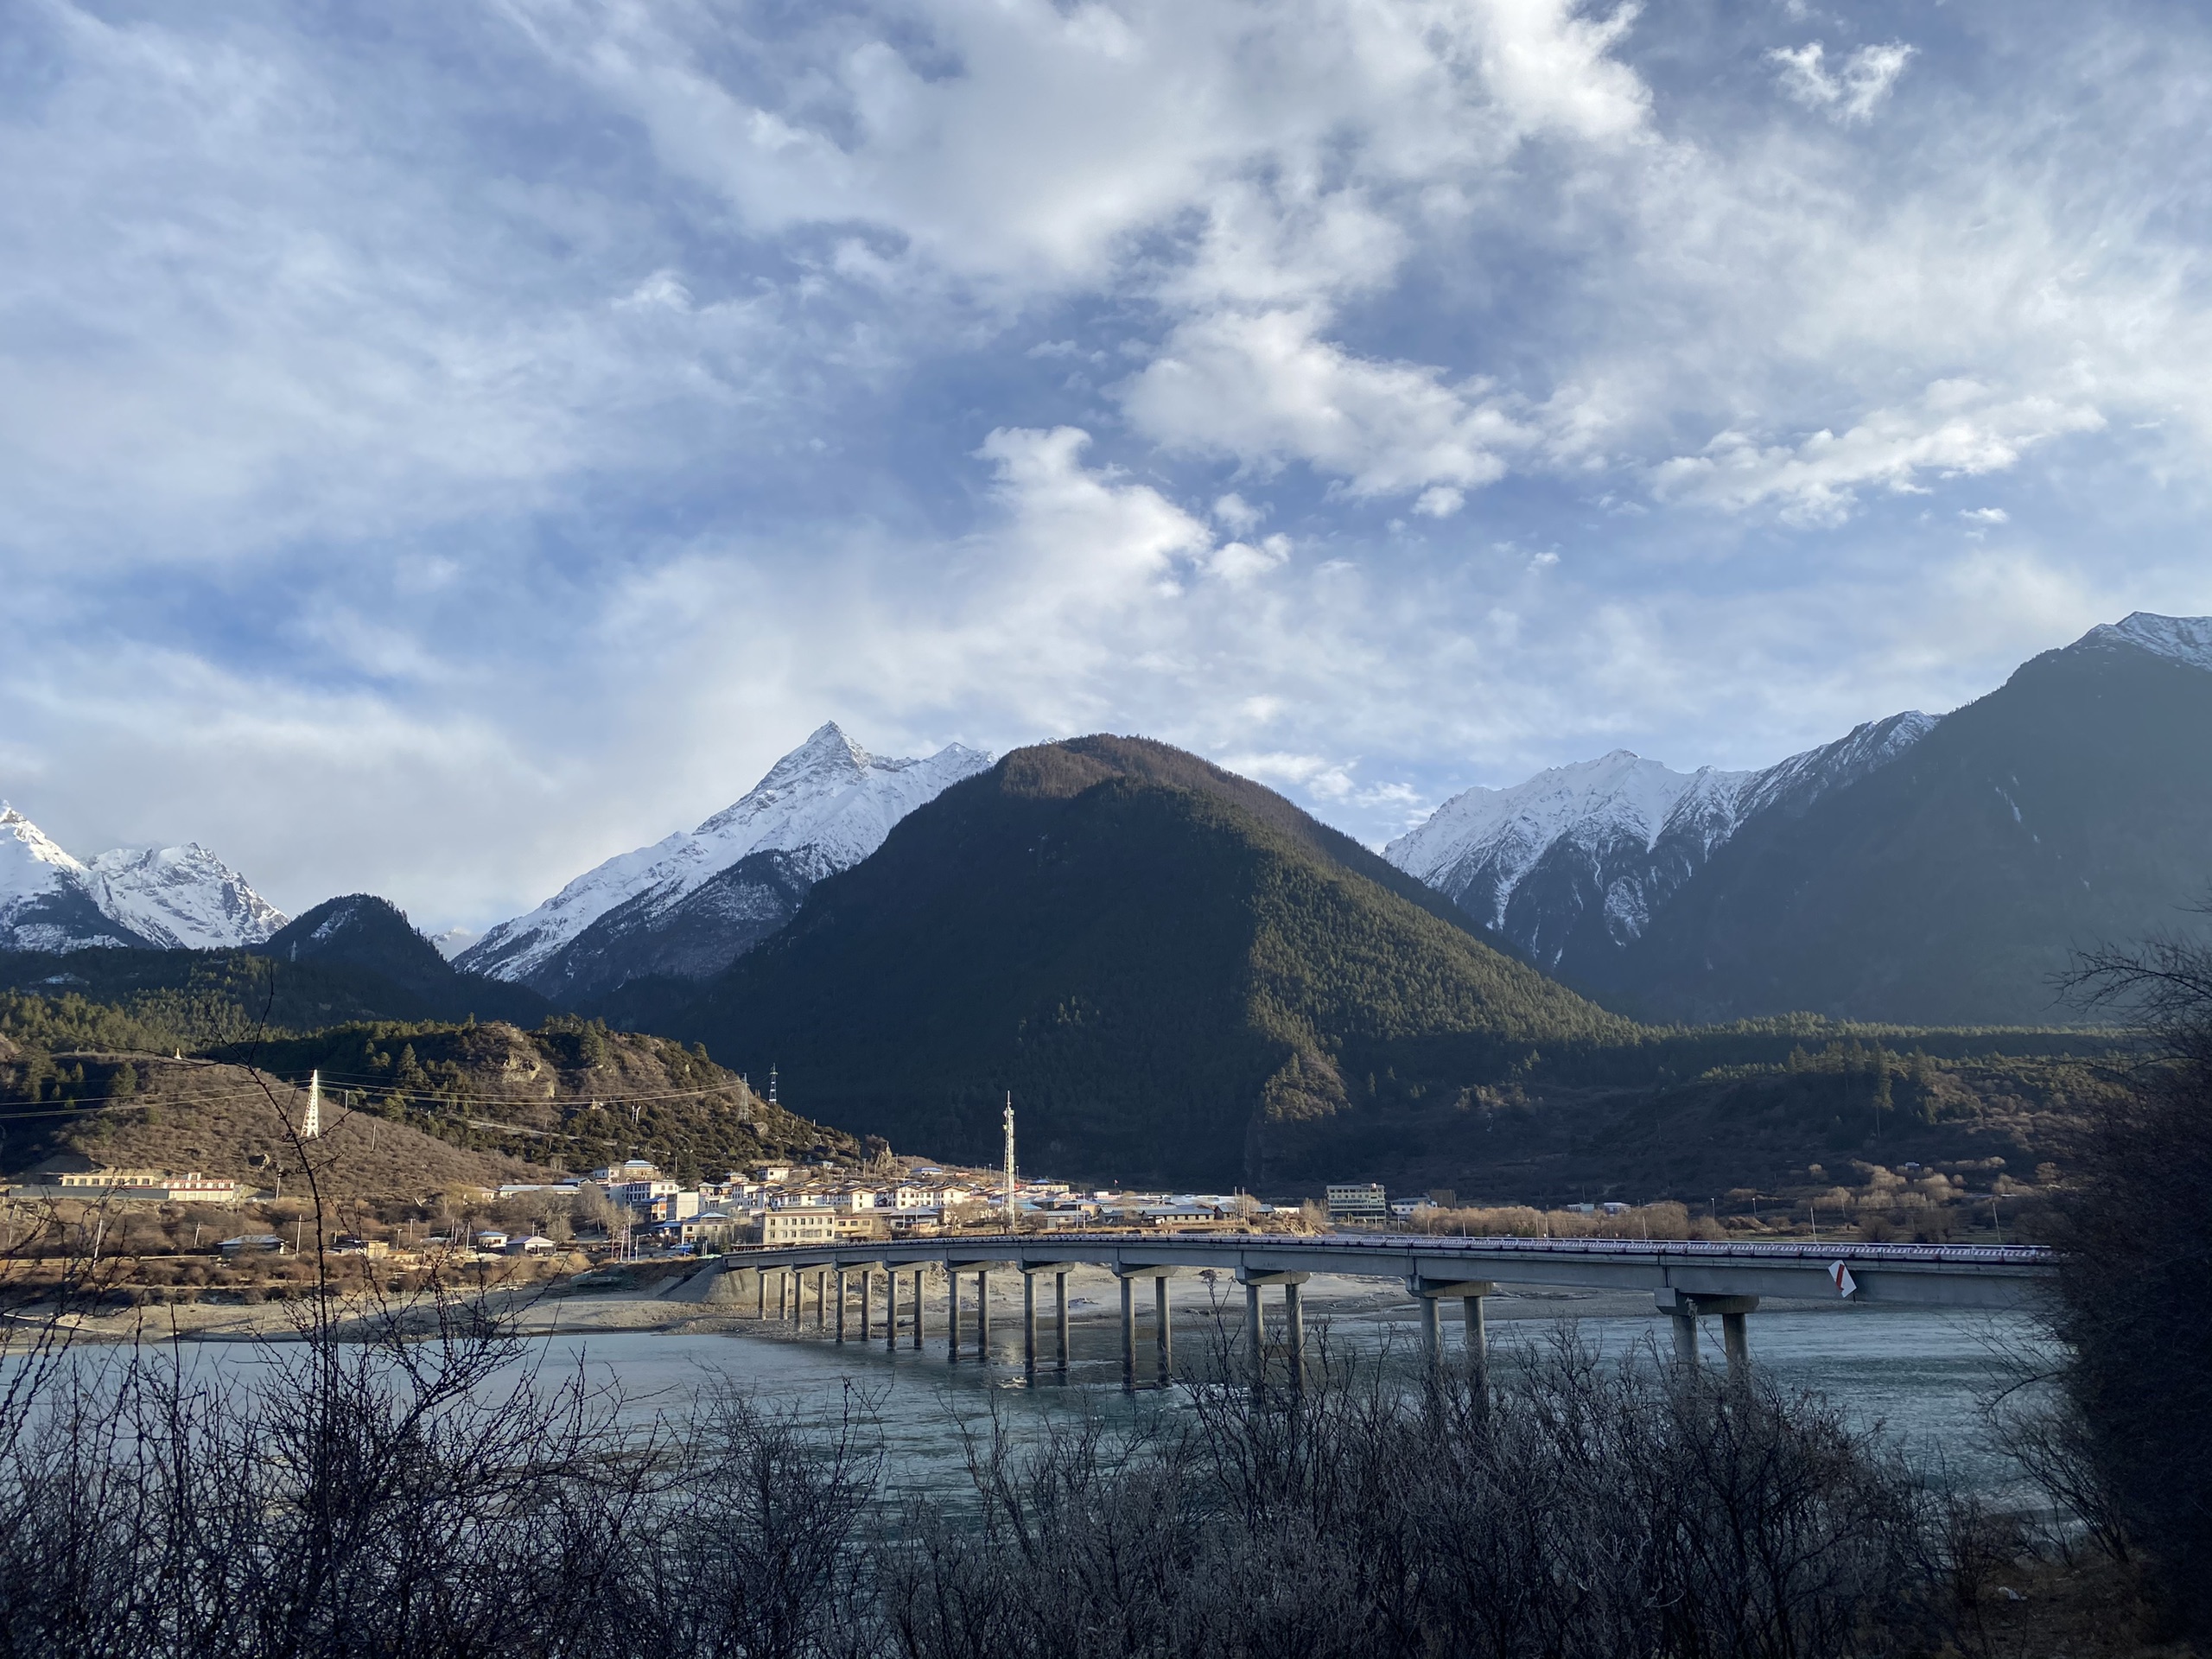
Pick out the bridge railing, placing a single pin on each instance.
(2023, 1255)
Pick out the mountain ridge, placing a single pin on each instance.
(154, 898)
(690, 903)
(1571, 864)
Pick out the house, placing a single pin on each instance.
(816, 1225)
(251, 1244)
(491, 1239)
(536, 1244)
(142, 1186)
(1357, 1201)
(711, 1227)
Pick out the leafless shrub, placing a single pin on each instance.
(1578, 1508)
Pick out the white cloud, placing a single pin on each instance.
(1852, 93)
(1267, 389)
(1957, 428)
(1316, 775)
(1984, 515)
(1238, 514)
(1242, 561)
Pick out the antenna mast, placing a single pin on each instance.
(1009, 1161)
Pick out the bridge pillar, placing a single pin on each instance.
(891, 1309)
(983, 1315)
(1128, 1335)
(1254, 1326)
(1029, 1323)
(918, 1310)
(1293, 1310)
(1476, 1336)
(821, 1299)
(1684, 1307)
(952, 1316)
(1430, 1293)
(839, 1275)
(1256, 1338)
(1060, 1318)
(868, 1294)
(1163, 1329)
(761, 1289)
(1736, 1338)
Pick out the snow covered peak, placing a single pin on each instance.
(2182, 639)
(1615, 837)
(1619, 794)
(181, 897)
(168, 897)
(829, 803)
(30, 864)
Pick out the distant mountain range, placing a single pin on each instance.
(1917, 870)
(687, 906)
(143, 897)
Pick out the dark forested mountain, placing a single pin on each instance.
(398, 969)
(1173, 969)
(2071, 807)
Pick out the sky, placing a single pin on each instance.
(447, 442)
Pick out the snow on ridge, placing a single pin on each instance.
(2182, 639)
(829, 798)
(1622, 793)
(1479, 846)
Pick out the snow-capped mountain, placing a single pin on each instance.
(690, 905)
(1578, 858)
(181, 897)
(166, 898)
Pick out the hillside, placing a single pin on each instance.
(1698, 1116)
(572, 1095)
(114, 1109)
(409, 1108)
(2071, 807)
(1170, 968)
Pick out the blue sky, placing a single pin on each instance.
(446, 443)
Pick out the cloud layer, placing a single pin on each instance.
(445, 449)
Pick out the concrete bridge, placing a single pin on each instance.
(1688, 1280)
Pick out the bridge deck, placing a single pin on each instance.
(1964, 1276)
